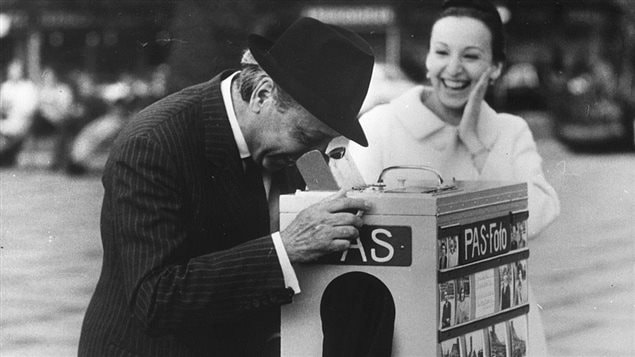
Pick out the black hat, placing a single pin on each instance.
(325, 68)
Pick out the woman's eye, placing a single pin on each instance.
(472, 56)
(441, 52)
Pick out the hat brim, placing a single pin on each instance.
(346, 124)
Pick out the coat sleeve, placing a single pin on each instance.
(544, 205)
(165, 291)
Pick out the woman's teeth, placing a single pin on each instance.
(452, 84)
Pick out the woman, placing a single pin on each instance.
(462, 308)
(520, 294)
(449, 126)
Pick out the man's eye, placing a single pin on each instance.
(337, 153)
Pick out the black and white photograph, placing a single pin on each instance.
(463, 301)
(506, 287)
(498, 340)
(485, 293)
(176, 176)
(443, 254)
(451, 348)
(447, 308)
(453, 251)
(518, 335)
(473, 344)
(520, 283)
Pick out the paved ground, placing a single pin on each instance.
(582, 268)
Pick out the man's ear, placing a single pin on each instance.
(262, 92)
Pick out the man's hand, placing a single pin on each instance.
(325, 227)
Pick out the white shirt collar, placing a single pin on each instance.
(226, 92)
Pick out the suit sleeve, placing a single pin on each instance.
(164, 291)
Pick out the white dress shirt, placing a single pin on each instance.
(290, 279)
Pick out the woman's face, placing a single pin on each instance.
(460, 52)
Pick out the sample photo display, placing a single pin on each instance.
(450, 348)
(505, 275)
(473, 344)
(453, 251)
(498, 341)
(518, 234)
(463, 301)
(443, 254)
(518, 335)
(520, 283)
(484, 293)
(446, 304)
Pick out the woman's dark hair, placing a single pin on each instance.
(483, 11)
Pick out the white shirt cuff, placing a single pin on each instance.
(290, 279)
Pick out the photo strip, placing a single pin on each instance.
(498, 341)
(473, 344)
(453, 250)
(506, 286)
(446, 304)
(450, 348)
(520, 283)
(518, 334)
(484, 293)
(463, 301)
(443, 254)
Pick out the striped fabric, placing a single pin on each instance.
(189, 268)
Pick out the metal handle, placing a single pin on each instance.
(380, 179)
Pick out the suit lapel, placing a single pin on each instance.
(221, 151)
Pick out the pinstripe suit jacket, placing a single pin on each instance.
(189, 267)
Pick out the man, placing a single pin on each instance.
(190, 267)
(446, 315)
(443, 258)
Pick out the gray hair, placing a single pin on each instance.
(251, 74)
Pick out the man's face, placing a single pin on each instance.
(287, 135)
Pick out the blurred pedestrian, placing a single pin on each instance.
(450, 127)
(190, 266)
(96, 137)
(54, 114)
(18, 104)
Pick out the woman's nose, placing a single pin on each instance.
(454, 66)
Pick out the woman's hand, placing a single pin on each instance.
(473, 106)
(469, 121)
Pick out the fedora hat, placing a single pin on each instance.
(325, 68)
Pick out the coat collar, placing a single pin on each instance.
(422, 122)
(220, 146)
(222, 152)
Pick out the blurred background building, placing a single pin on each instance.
(570, 59)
